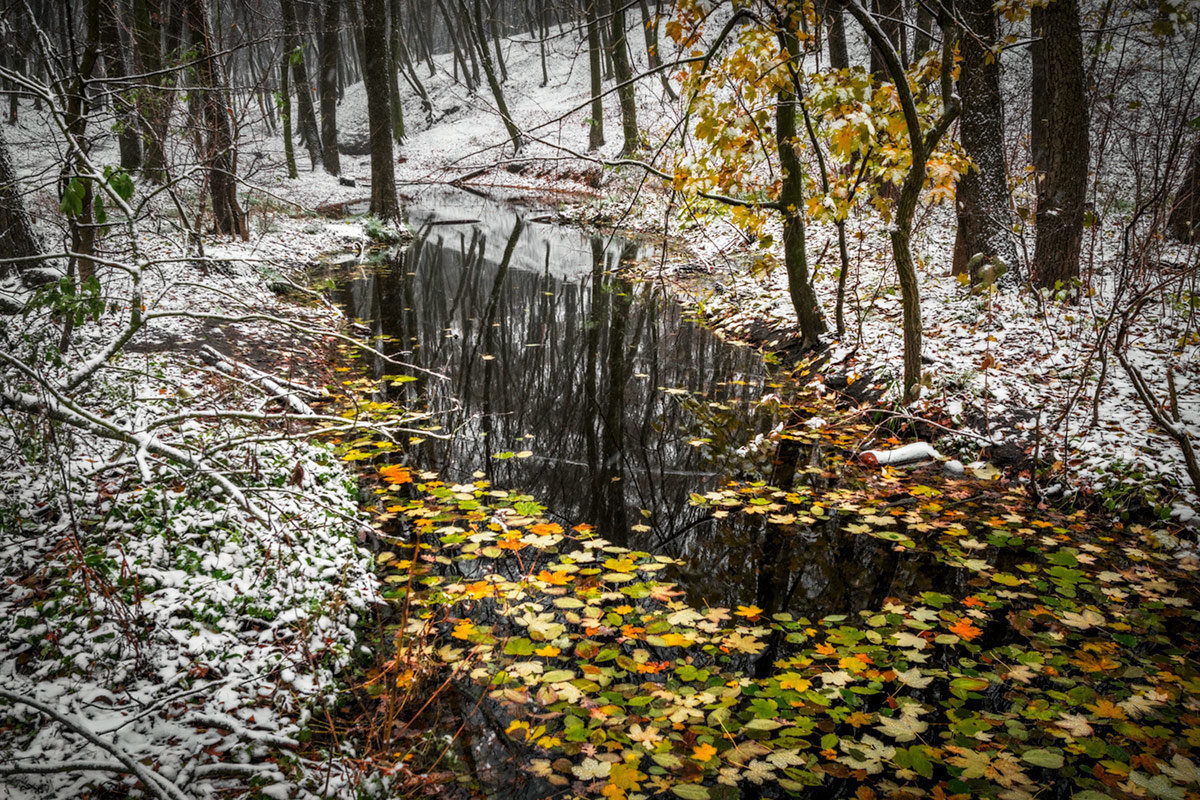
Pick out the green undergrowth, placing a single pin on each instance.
(1058, 652)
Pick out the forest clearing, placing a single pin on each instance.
(542, 399)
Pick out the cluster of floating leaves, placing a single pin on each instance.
(1065, 657)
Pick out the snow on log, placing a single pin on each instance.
(908, 455)
(282, 390)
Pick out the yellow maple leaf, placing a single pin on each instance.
(703, 752)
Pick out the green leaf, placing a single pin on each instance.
(518, 647)
(557, 675)
(72, 199)
(1043, 758)
(690, 791)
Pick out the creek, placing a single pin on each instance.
(600, 398)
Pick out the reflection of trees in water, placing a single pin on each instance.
(571, 369)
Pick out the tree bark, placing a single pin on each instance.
(379, 117)
(650, 29)
(481, 44)
(327, 84)
(1061, 163)
(1184, 222)
(306, 113)
(219, 146)
(791, 202)
(17, 238)
(155, 103)
(128, 138)
(596, 73)
(624, 75)
(982, 200)
(888, 13)
(394, 71)
(839, 54)
(285, 113)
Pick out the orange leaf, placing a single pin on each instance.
(965, 629)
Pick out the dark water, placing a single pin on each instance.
(609, 386)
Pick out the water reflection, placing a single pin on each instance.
(609, 388)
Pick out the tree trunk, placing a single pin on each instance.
(792, 206)
(128, 137)
(457, 44)
(1062, 169)
(1184, 223)
(922, 143)
(155, 103)
(481, 44)
(624, 75)
(327, 84)
(923, 37)
(306, 113)
(495, 28)
(17, 239)
(220, 152)
(889, 14)
(984, 219)
(595, 71)
(650, 29)
(394, 71)
(285, 112)
(839, 54)
(379, 117)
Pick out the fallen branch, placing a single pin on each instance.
(156, 784)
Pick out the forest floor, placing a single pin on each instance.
(1015, 376)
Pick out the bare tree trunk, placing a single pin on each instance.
(984, 219)
(1061, 163)
(220, 147)
(128, 137)
(839, 55)
(327, 84)
(595, 71)
(923, 38)
(624, 75)
(379, 117)
(481, 44)
(791, 204)
(394, 71)
(17, 238)
(457, 44)
(1184, 222)
(307, 115)
(650, 29)
(495, 28)
(155, 103)
(285, 112)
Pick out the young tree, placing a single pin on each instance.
(1060, 142)
(923, 141)
(479, 35)
(306, 113)
(982, 200)
(379, 117)
(624, 75)
(596, 74)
